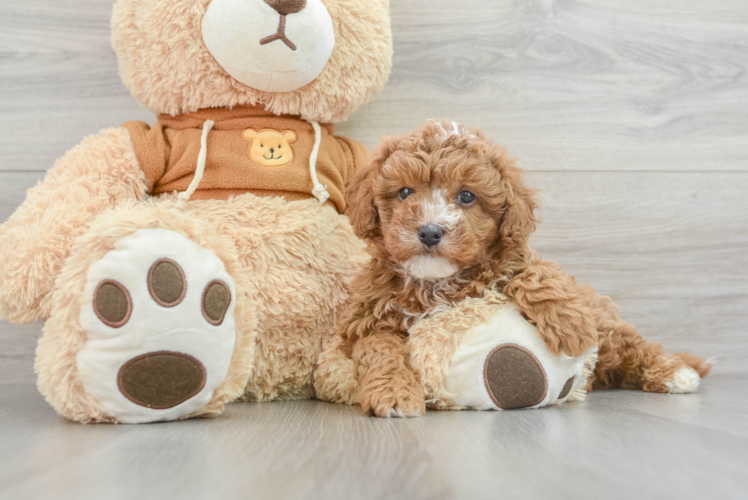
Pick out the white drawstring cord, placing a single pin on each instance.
(319, 191)
(201, 160)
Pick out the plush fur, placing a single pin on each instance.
(56, 362)
(37, 239)
(487, 244)
(166, 66)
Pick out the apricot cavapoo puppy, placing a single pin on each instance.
(447, 214)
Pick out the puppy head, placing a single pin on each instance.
(440, 200)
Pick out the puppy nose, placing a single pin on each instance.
(272, 151)
(430, 234)
(286, 7)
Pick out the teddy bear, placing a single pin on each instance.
(185, 264)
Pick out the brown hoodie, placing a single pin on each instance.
(249, 150)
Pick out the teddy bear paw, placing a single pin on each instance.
(158, 313)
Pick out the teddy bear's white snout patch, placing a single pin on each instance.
(270, 45)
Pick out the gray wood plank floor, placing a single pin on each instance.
(616, 445)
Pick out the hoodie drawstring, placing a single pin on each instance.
(319, 191)
(202, 158)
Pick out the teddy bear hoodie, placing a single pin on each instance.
(249, 150)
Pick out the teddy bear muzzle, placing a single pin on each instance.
(270, 45)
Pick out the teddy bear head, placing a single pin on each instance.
(319, 59)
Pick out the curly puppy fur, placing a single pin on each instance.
(485, 245)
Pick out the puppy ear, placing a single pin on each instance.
(519, 220)
(362, 209)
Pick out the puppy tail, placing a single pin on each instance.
(702, 365)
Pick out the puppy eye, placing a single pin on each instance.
(466, 198)
(279, 146)
(405, 192)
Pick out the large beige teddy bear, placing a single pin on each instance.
(183, 265)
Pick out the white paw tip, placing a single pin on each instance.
(398, 413)
(685, 381)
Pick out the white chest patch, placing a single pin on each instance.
(265, 49)
(426, 267)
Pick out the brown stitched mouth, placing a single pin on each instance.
(280, 35)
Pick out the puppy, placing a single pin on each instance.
(446, 215)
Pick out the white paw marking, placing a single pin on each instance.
(152, 327)
(685, 381)
(398, 413)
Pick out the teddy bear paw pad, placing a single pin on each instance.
(515, 378)
(158, 313)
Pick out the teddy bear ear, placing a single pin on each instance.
(290, 136)
(249, 134)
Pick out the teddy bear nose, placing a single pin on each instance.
(430, 234)
(287, 7)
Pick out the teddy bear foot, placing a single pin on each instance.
(514, 377)
(500, 363)
(158, 315)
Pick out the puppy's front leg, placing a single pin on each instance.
(388, 386)
(552, 301)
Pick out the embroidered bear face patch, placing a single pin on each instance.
(270, 148)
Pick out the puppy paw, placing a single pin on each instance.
(668, 374)
(685, 381)
(550, 300)
(393, 402)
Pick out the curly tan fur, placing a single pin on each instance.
(486, 243)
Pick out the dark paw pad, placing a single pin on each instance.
(161, 380)
(514, 377)
(167, 283)
(567, 388)
(216, 301)
(112, 303)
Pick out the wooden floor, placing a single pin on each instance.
(631, 116)
(616, 445)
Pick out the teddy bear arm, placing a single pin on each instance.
(34, 243)
(431, 350)
(434, 342)
(553, 302)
